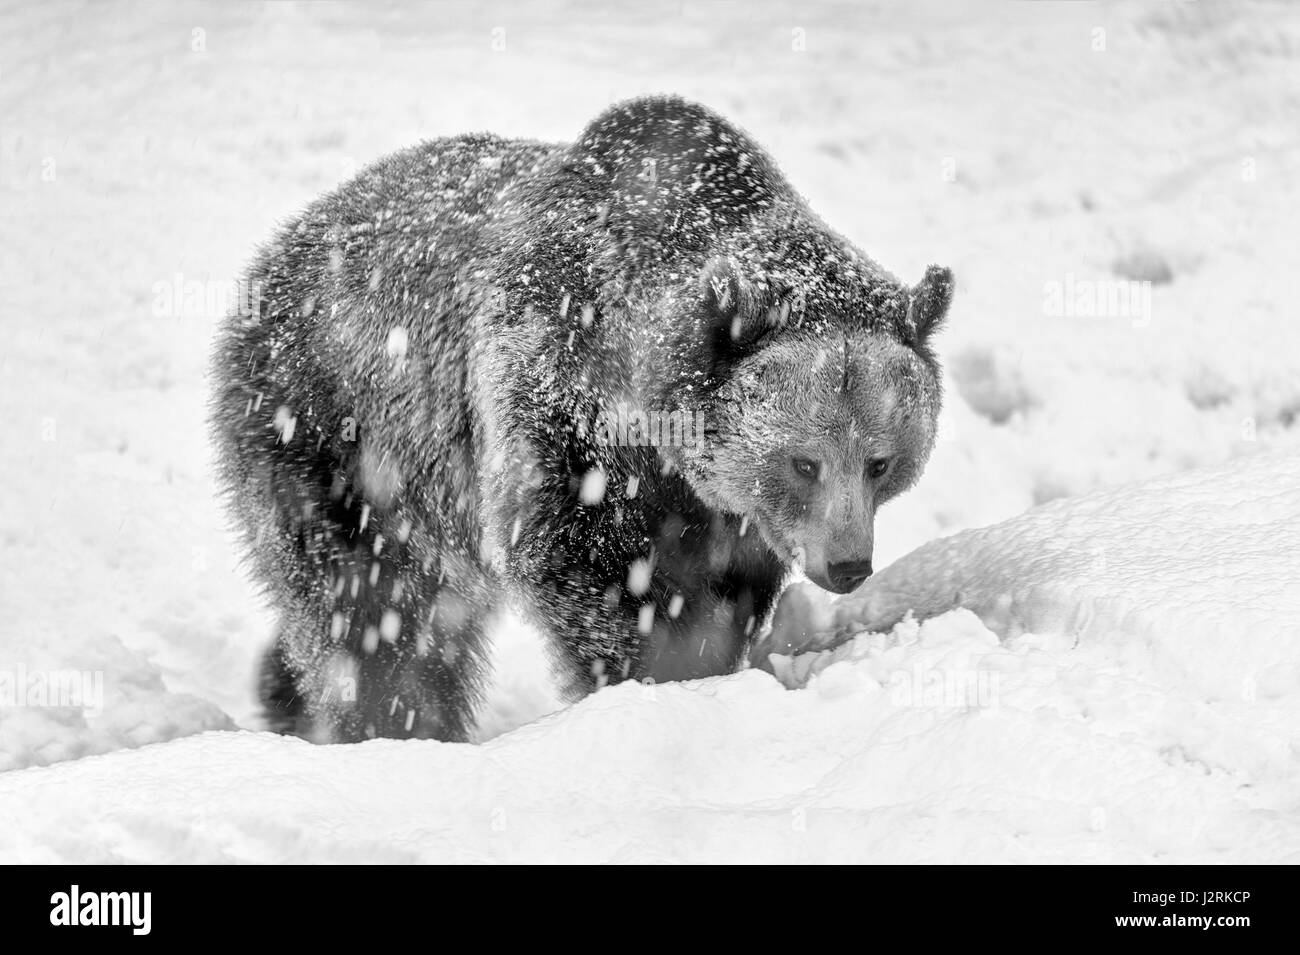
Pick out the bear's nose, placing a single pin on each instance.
(847, 575)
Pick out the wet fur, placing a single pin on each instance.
(662, 261)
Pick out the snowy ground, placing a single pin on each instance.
(1146, 640)
(1103, 693)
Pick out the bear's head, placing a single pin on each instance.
(824, 405)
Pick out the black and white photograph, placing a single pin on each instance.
(696, 432)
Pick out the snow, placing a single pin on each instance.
(1195, 577)
(1093, 699)
(1118, 686)
(1142, 625)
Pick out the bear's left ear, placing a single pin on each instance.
(928, 304)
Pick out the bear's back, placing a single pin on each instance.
(388, 262)
(359, 343)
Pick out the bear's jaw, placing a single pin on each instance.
(754, 523)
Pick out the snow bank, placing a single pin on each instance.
(112, 697)
(1115, 704)
(1196, 575)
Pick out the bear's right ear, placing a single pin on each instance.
(734, 305)
(928, 304)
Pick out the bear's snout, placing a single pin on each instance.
(847, 575)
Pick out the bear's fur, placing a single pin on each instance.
(419, 414)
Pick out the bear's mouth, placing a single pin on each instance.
(796, 558)
(825, 583)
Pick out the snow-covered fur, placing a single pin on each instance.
(634, 378)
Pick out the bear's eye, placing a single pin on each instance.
(877, 467)
(806, 467)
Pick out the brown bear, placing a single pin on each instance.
(629, 381)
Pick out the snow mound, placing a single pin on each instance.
(57, 705)
(1097, 698)
(1196, 575)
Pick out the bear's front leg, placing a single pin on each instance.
(652, 615)
(700, 632)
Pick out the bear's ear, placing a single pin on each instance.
(735, 306)
(928, 304)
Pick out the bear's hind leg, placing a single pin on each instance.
(399, 667)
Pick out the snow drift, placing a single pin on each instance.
(1116, 683)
